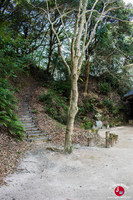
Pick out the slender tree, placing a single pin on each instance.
(78, 46)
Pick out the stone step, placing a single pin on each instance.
(29, 116)
(26, 115)
(26, 118)
(30, 126)
(21, 115)
(24, 103)
(24, 112)
(37, 134)
(31, 129)
(26, 123)
(24, 108)
(33, 132)
(40, 138)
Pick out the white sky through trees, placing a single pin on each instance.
(128, 1)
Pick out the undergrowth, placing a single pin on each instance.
(55, 105)
(7, 110)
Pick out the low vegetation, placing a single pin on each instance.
(55, 105)
(109, 105)
(7, 110)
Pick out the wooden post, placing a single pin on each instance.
(91, 142)
(111, 139)
(107, 139)
(111, 136)
(108, 144)
(116, 138)
(96, 131)
(107, 134)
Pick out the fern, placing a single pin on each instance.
(7, 111)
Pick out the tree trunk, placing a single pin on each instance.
(88, 67)
(73, 109)
(50, 51)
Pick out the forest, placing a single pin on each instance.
(80, 50)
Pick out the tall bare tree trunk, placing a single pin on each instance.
(88, 67)
(73, 109)
(75, 55)
(50, 50)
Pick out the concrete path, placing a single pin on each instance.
(86, 174)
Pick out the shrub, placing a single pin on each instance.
(55, 105)
(104, 87)
(46, 97)
(87, 124)
(88, 106)
(118, 81)
(109, 104)
(63, 87)
(7, 108)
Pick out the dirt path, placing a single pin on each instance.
(86, 174)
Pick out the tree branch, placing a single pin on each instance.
(75, 31)
(63, 24)
(86, 25)
(121, 20)
(59, 42)
(80, 31)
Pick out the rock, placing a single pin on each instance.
(99, 124)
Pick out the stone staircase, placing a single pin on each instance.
(27, 117)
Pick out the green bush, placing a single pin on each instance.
(109, 104)
(88, 106)
(46, 97)
(55, 105)
(118, 81)
(119, 109)
(104, 87)
(63, 87)
(87, 124)
(7, 108)
(12, 60)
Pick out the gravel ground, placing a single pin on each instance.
(11, 151)
(86, 174)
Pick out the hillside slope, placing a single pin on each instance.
(89, 106)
